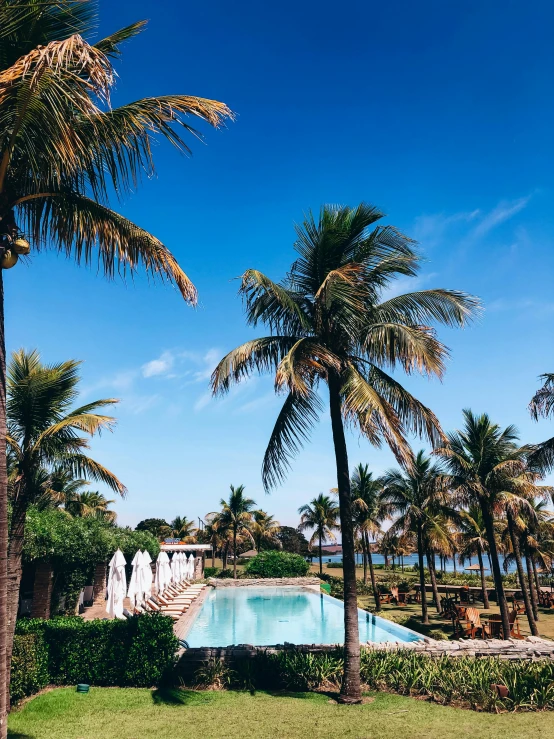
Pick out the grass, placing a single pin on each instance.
(133, 713)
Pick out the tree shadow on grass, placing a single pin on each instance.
(17, 735)
(173, 697)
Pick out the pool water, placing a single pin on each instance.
(274, 615)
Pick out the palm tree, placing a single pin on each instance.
(321, 515)
(368, 516)
(265, 529)
(236, 517)
(488, 469)
(89, 504)
(182, 528)
(63, 149)
(472, 541)
(328, 323)
(542, 406)
(45, 432)
(419, 496)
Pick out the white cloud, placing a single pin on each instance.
(160, 366)
(136, 404)
(503, 212)
(431, 230)
(202, 401)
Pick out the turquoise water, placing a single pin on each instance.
(266, 615)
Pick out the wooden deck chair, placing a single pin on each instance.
(515, 631)
(474, 627)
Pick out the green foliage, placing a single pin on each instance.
(225, 574)
(154, 525)
(277, 564)
(293, 540)
(211, 571)
(138, 652)
(302, 672)
(214, 674)
(29, 666)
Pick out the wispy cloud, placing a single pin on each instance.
(160, 366)
(503, 212)
(202, 401)
(436, 229)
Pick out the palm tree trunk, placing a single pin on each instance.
(376, 594)
(433, 576)
(235, 553)
(483, 581)
(532, 591)
(350, 689)
(535, 575)
(364, 557)
(526, 599)
(320, 557)
(495, 566)
(4, 682)
(454, 562)
(424, 612)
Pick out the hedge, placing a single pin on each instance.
(29, 666)
(138, 652)
(277, 564)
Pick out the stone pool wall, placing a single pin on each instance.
(313, 583)
(531, 649)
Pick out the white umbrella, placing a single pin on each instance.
(117, 585)
(135, 588)
(178, 559)
(163, 572)
(190, 568)
(146, 576)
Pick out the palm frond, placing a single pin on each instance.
(450, 307)
(76, 225)
(262, 355)
(414, 348)
(273, 304)
(294, 423)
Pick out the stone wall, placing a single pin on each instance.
(270, 582)
(531, 649)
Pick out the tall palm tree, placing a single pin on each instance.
(472, 541)
(90, 504)
(419, 496)
(236, 517)
(321, 515)
(46, 431)
(330, 322)
(265, 529)
(542, 406)
(63, 149)
(488, 469)
(182, 528)
(369, 514)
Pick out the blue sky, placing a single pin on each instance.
(440, 113)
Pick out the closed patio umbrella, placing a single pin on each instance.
(163, 572)
(117, 585)
(190, 567)
(134, 591)
(180, 567)
(146, 575)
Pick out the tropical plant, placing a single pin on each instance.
(487, 468)
(472, 540)
(369, 514)
(264, 530)
(236, 518)
(292, 540)
(320, 514)
(63, 149)
(542, 406)
(419, 496)
(45, 432)
(90, 503)
(332, 321)
(182, 528)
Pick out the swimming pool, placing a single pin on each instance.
(273, 615)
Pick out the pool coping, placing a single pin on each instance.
(183, 626)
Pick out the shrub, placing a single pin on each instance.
(277, 564)
(211, 571)
(225, 574)
(214, 674)
(29, 666)
(137, 652)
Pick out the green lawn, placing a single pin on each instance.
(131, 713)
